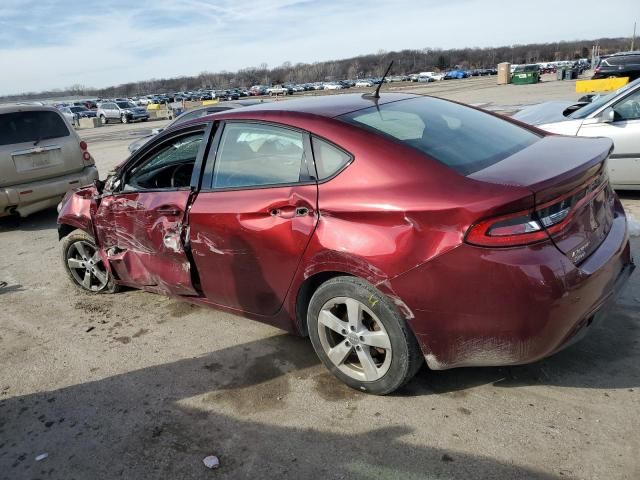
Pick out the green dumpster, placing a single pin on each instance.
(525, 74)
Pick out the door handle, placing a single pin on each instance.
(289, 212)
(169, 210)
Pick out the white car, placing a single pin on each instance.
(616, 115)
(332, 86)
(364, 83)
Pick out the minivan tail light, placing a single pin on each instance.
(83, 145)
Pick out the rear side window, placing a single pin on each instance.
(20, 127)
(613, 61)
(462, 138)
(252, 155)
(329, 159)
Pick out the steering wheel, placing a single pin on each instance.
(174, 176)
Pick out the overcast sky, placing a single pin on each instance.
(57, 43)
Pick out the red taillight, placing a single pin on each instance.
(86, 156)
(520, 228)
(531, 226)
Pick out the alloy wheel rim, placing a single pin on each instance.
(354, 339)
(86, 266)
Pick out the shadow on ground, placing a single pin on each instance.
(134, 425)
(43, 220)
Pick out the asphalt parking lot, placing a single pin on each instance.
(137, 385)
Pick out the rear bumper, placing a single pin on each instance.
(475, 306)
(137, 116)
(28, 198)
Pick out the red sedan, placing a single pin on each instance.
(388, 230)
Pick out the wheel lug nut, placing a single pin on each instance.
(347, 344)
(344, 332)
(358, 347)
(353, 329)
(361, 338)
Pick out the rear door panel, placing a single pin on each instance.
(246, 253)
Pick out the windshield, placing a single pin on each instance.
(599, 101)
(462, 138)
(126, 105)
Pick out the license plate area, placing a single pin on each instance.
(37, 159)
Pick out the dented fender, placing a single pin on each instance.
(77, 209)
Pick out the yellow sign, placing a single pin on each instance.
(601, 85)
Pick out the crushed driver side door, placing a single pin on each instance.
(141, 228)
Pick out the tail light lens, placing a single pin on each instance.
(86, 156)
(535, 225)
(519, 228)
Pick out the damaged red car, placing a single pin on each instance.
(389, 230)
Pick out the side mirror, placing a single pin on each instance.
(607, 115)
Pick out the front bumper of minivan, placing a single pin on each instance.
(28, 198)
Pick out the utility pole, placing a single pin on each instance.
(633, 38)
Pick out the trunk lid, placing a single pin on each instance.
(574, 201)
(35, 145)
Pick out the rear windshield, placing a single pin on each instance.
(20, 127)
(462, 138)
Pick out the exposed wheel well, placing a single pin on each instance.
(64, 230)
(306, 291)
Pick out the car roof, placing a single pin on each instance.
(327, 105)
(621, 54)
(26, 108)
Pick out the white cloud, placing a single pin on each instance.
(98, 43)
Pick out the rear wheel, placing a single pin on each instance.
(124, 119)
(103, 120)
(360, 336)
(83, 264)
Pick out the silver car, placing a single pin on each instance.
(41, 158)
(616, 115)
(192, 115)
(122, 111)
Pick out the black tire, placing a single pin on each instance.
(124, 119)
(67, 245)
(104, 120)
(406, 356)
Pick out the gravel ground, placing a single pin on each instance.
(137, 385)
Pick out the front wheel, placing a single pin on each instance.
(103, 120)
(83, 264)
(124, 119)
(361, 337)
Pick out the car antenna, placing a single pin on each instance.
(376, 94)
